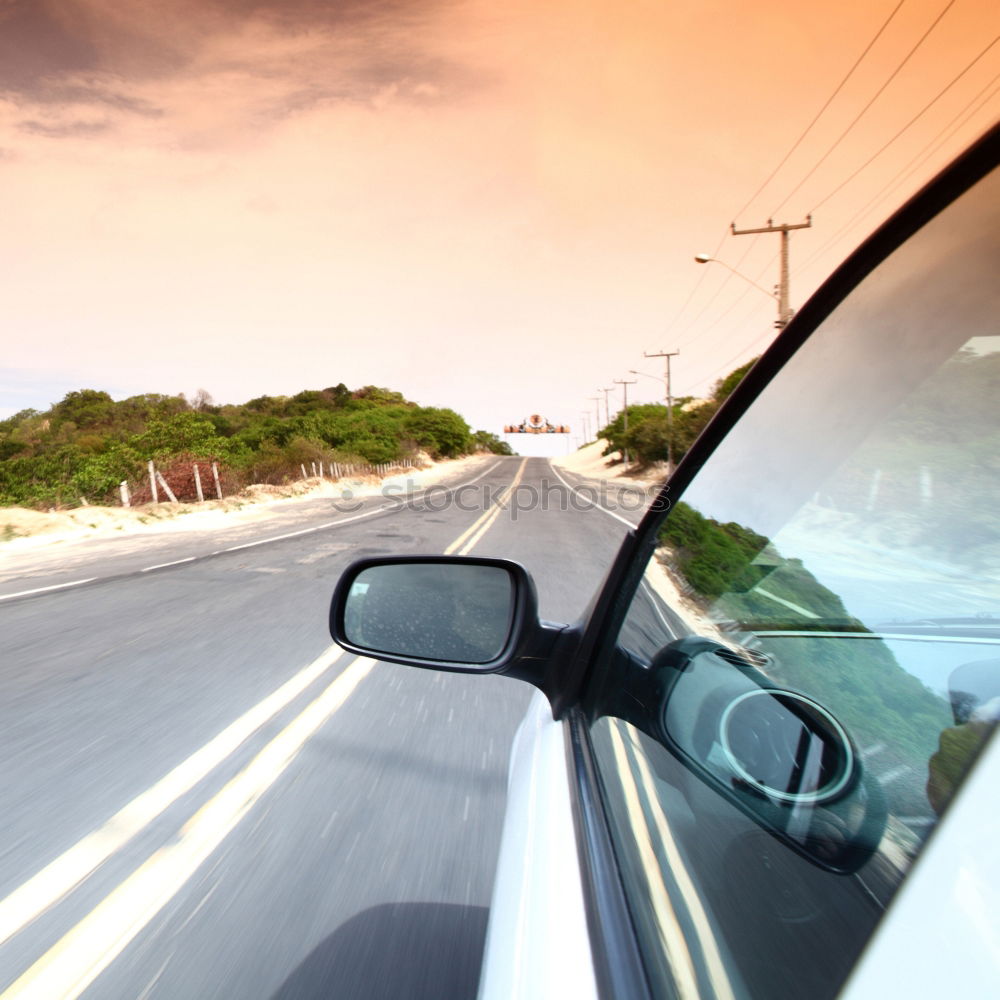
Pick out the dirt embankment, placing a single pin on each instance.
(590, 461)
(21, 528)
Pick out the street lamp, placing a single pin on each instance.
(658, 378)
(784, 314)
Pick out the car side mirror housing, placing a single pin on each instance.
(460, 614)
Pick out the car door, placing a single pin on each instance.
(798, 667)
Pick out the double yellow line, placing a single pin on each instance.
(83, 953)
(465, 542)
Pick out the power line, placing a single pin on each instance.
(705, 330)
(843, 135)
(701, 312)
(915, 118)
(697, 285)
(819, 114)
(963, 117)
(768, 334)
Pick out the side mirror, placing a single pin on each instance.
(468, 615)
(776, 754)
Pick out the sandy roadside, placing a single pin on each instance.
(22, 529)
(590, 462)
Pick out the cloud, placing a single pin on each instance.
(92, 90)
(62, 130)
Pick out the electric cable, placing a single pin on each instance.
(962, 118)
(843, 135)
(914, 119)
(819, 114)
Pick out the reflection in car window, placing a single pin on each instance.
(841, 552)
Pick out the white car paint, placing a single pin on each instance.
(537, 946)
(941, 935)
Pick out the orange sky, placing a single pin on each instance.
(488, 206)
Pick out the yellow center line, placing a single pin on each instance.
(63, 874)
(668, 925)
(72, 964)
(84, 952)
(481, 525)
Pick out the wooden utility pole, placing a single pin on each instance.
(785, 312)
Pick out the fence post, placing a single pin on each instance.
(303, 468)
(320, 470)
(166, 487)
(197, 484)
(152, 482)
(123, 490)
(215, 476)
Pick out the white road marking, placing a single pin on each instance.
(55, 586)
(304, 531)
(329, 824)
(204, 899)
(176, 562)
(75, 961)
(805, 612)
(654, 601)
(63, 874)
(573, 489)
(149, 986)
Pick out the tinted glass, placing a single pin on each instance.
(841, 549)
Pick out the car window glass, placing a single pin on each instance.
(840, 553)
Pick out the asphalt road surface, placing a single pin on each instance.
(202, 798)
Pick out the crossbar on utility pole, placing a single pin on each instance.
(670, 405)
(625, 383)
(785, 312)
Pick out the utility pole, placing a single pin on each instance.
(607, 409)
(586, 426)
(670, 406)
(625, 383)
(785, 312)
(596, 400)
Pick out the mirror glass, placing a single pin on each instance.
(452, 612)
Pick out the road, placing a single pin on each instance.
(203, 799)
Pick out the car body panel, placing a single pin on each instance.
(940, 936)
(537, 945)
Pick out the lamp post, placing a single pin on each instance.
(658, 378)
(704, 258)
(785, 312)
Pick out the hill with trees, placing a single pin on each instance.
(86, 444)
